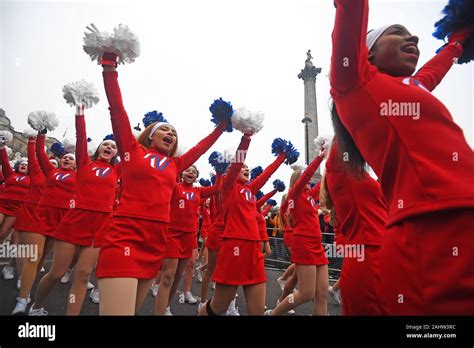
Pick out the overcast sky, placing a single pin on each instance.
(246, 51)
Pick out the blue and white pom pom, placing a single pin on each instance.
(57, 149)
(279, 185)
(247, 121)
(218, 162)
(152, 117)
(204, 182)
(81, 93)
(5, 137)
(458, 14)
(272, 202)
(255, 172)
(292, 154)
(123, 42)
(222, 111)
(259, 195)
(39, 120)
(278, 146)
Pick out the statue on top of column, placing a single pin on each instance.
(309, 58)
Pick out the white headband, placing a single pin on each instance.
(70, 154)
(374, 34)
(24, 160)
(53, 160)
(109, 140)
(155, 127)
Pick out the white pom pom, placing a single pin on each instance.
(9, 151)
(322, 142)
(298, 166)
(91, 147)
(180, 151)
(123, 43)
(5, 137)
(29, 133)
(81, 92)
(126, 43)
(212, 173)
(247, 121)
(136, 133)
(39, 120)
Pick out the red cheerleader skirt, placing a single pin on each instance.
(427, 265)
(132, 248)
(360, 283)
(79, 226)
(288, 238)
(180, 245)
(308, 250)
(214, 238)
(26, 218)
(9, 208)
(240, 262)
(48, 219)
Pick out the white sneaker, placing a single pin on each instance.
(189, 298)
(290, 312)
(8, 272)
(199, 276)
(66, 277)
(282, 283)
(20, 307)
(335, 295)
(154, 289)
(94, 295)
(232, 310)
(268, 312)
(168, 311)
(37, 312)
(90, 286)
(201, 304)
(18, 283)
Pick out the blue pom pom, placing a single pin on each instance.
(255, 172)
(109, 137)
(291, 154)
(218, 162)
(259, 195)
(213, 179)
(222, 112)
(272, 202)
(204, 182)
(279, 185)
(57, 149)
(278, 146)
(458, 14)
(152, 117)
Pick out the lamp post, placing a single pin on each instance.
(306, 120)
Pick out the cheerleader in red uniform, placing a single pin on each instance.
(240, 261)
(75, 235)
(362, 213)
(135, 239)
(427, 184)
(180, 238)
(307, 250)
(17, 182)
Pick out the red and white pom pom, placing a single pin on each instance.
(247, 121)
(81, 93)
(6, 137)
(39, 120)
(123, 42)
(29, 133)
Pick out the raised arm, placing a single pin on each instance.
(6, 168)
(82, 157)
(209, 191)
(305, 177)
(266, 210)
(431, 74)
(259, 181)
(197, 151)
(349, 60)
(120, 123)
(236, 165)
(43, 159)
(33, 165)
(264, 199)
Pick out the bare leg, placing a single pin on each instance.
(30, 265)
(288, 272)
(255, 298)
(168, 272)
(188, 273)
(117, 296)
(336, 285)
(206, 279)
(182, 263)
(321, 293)
(289, 287)
(6, 227)
(142, 291)
(220, 302)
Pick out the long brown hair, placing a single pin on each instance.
(324, 195)
(144, 139)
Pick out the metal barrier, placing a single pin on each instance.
(280, 257)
